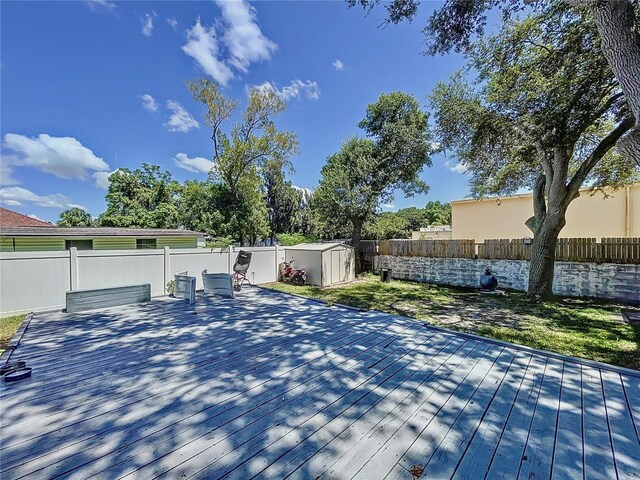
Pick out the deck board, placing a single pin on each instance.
(269, 385)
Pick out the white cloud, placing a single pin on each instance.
(172, 22)
(19, 196)
(101, 5)
(195, 165)
(147, 25)
(338, 65)
(295, 89)
(238, 43)
(388, 206)
(6, 174)
(64, 157)
(102, 179)
(180, 120)
(459, 168)
(34, 216)
(148, 102)
(202, 46)
(243, 38)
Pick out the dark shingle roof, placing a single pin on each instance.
(94, 232)
(9, 218)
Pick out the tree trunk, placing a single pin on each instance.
(620, 34)
(356, 236)
(550, 203)
(543, 255)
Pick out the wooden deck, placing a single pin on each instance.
(274, 386)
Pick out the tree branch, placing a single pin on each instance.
(603, 147)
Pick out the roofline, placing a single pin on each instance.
(525, 195)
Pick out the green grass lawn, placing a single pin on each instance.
(581, 328)
(8, 328)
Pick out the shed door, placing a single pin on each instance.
(335, 267)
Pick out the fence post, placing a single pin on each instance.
(73, 267)
(230, 259)
(167, 269)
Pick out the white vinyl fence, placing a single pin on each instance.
(38, 281)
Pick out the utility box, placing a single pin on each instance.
(326, 264)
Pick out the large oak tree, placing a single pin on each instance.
(545, 110)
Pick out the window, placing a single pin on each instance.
(145, 243)
(79, 244)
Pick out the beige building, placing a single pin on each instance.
(433, 232)
(588, 216)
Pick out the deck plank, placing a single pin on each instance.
(568, 454)
(599, 463)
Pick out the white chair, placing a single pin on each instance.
(184, 286)
(217, 284)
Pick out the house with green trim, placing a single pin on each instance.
(48, 238)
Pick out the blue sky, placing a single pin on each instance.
(89, 87)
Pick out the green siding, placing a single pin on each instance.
(29, 244)
(6, 244)
(114, 243)
(177, 242)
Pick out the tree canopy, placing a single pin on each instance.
(75, 217)
(144, 198)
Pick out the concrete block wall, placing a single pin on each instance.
(607, 280)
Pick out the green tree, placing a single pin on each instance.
(282, 200)
(143, 198)
(546, 112)
(201, 207)
(366, 171)
(456, 25)
(75, 217)
(240, 155)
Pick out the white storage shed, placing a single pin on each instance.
(326, 263)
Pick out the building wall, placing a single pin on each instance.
(114, 243)
(30, 244)
(605, 280)
(587, 216)
(40, 244)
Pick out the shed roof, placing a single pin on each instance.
(95, 232)
(319, 247)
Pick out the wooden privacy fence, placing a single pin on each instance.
(428, 248)
(609, 250)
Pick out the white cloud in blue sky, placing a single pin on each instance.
(180, 120)
(202, 45)
(296, 89)
(101, 5)
(233, 43)
(173, 23)
(338, 65)
(195, 165)
(459, 168)
(149, 103)
(64, 157)
(16, 196)
(147, 25)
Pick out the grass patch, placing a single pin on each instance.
(589, 329)
(8, 328)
